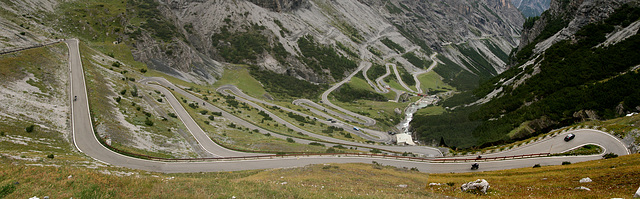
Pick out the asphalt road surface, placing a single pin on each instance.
(85, 140)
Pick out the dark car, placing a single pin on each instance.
(569, 137)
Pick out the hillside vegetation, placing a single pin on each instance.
(574, 76)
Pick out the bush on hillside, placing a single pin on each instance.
(30, 128)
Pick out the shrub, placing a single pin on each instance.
(451, 184)
(50, 156)
(316, 144)
(211, 117)
(610, 155)
(193, 105)
(142, 70)
(122, 92)
(376, 151)
(159, 99)
(204, 112)
(117, 99)
(30, 128)
(536, 166)
(206, 122)
(566, 163)
(116, 64)
(1, 133)
(134, 93)
(173, 115)
(148, 122)
(290, 140)
(7, 189)
(329, 167)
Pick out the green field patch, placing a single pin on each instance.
(432, 82)
(356, 89)
(239, 76)
(431, 110)
(393, 82)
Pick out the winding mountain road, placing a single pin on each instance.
(423, 150)
(85, 140)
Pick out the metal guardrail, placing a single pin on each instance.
(491, 158)
(7, 51)
(303, 154)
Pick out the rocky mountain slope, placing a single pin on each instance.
(473, 36)
(193, 39)
(578, 61)
(531, 8)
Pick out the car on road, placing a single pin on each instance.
(569, 137)
(356, 128)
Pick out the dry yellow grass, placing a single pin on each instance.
(612, 178)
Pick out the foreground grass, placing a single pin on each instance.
(612, 178)
(315, 181)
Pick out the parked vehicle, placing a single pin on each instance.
(356, 128)
(569, 137)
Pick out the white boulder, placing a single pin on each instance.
(434, 184)
(586, 180)
(582, 188)
(479, 184)
(637, 195)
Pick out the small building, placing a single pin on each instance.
(404, 139)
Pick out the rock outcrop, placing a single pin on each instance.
(480, 184)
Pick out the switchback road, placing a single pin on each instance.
(86, 142)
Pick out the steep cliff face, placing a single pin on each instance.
(531, 8)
